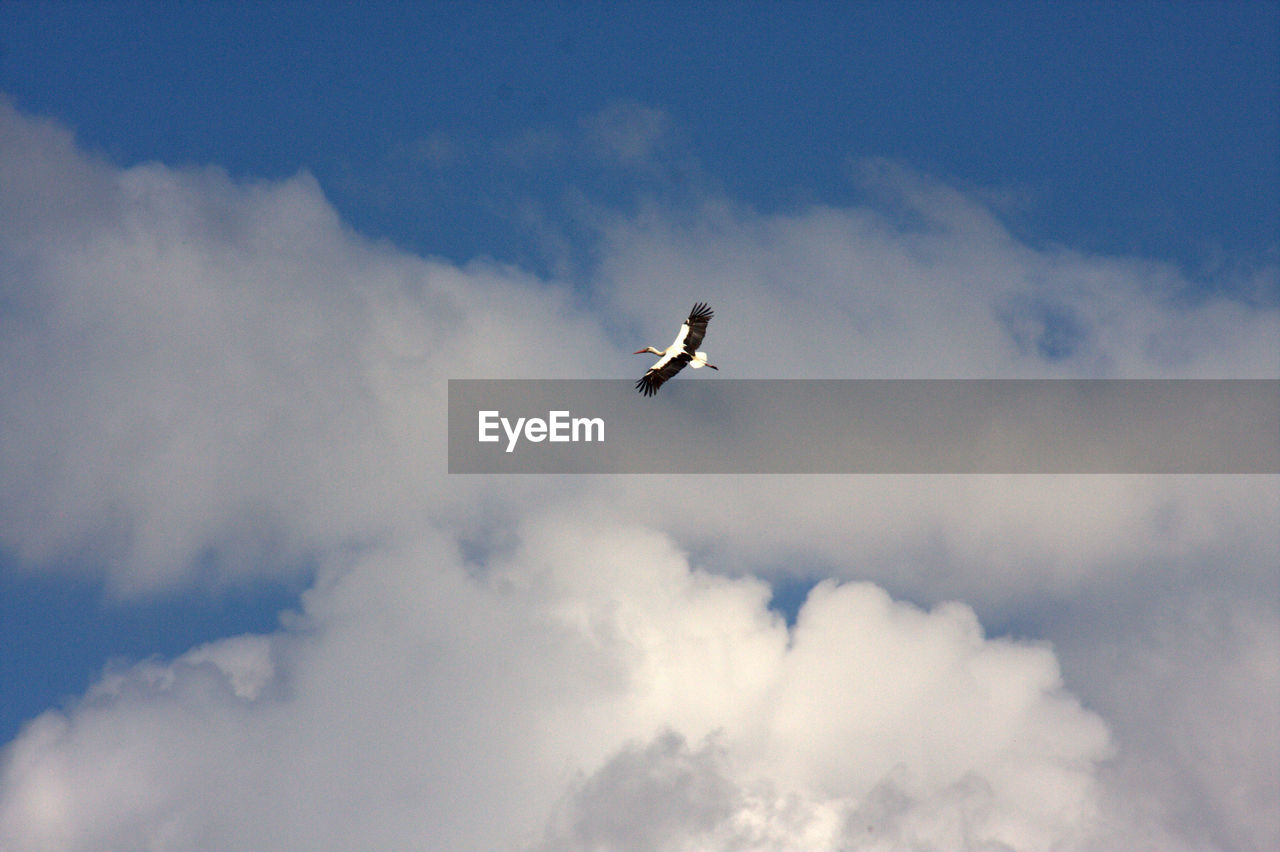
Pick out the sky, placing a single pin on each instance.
(244, 246)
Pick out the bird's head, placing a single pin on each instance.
(649, 350)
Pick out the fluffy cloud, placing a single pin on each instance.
(205, 378)
(200, 372)
(551, 701)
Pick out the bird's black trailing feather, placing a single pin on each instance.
(701, 313)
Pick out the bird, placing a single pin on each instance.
(683, 351)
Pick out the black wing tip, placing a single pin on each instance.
(701, 312)
(647, 386)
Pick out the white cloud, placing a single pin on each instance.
(1194, 684)
(410, 700)
(202, 378)
(216, 365)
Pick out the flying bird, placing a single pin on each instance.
(683, 351)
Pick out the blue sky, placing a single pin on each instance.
(1149, 128)
(243, 245)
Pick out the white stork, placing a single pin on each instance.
(683, 351)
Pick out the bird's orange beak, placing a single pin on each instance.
(640, 352)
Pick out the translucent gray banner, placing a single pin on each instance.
(889, 426)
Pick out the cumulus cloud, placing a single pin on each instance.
(408, 699)
(221, 372)
(204, 378)
(1195, 686)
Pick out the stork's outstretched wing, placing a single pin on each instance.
(667, 366)
(695, 327)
